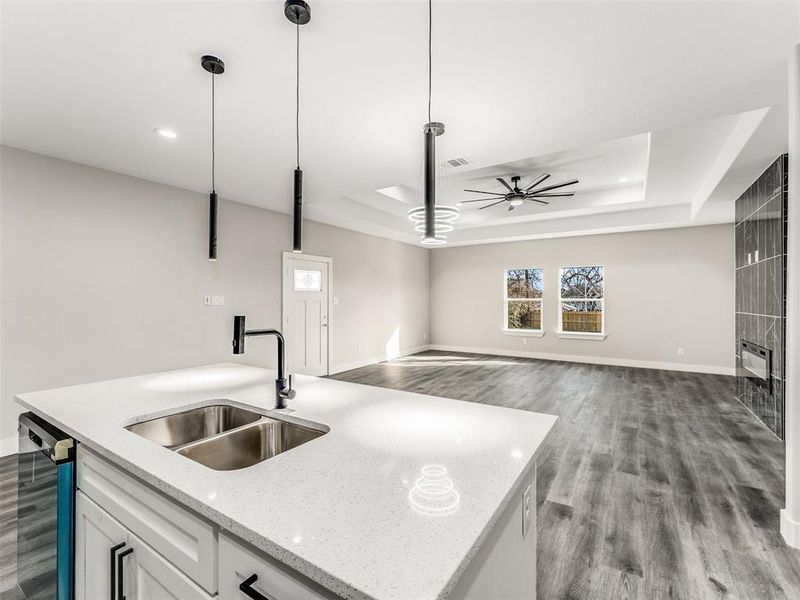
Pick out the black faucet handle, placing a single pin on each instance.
(289, 393)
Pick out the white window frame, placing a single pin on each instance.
(581, 335)
(523, 332)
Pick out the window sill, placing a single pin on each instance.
(533, 333)
(577, 335)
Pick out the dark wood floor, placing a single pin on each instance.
(656, 484)
(8, 529)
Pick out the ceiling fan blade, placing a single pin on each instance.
(535, 200)
(482, 199)
(537, 181)
(555, 186)
(505, 184)
(492, 204)
(564, 195)
(481, 192)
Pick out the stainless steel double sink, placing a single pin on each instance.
(224, 437)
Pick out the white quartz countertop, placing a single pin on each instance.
(343, 509)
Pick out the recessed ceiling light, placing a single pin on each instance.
(165, 133)
(622, 180)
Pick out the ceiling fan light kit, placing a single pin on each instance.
(516, 196)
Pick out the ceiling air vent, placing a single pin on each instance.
(458, 161)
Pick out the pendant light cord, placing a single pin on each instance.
(430, 55)
(213, 137)
(297, 107)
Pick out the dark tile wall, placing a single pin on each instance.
(761, 288)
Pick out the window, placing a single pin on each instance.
(523, 300)
(581, 300)
(307, 281)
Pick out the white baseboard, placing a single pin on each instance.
(365, 362)
(595, 360)
(8, 446)
(790, 530)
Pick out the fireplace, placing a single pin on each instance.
(757, 363)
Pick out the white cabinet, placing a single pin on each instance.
(111, 562)
(273, 581)
(183, 538)
(96, 533)
(133, 543)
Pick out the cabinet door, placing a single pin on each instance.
(150, 577)
(273, 581)
(96, 533)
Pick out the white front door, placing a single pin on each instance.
(305, 314)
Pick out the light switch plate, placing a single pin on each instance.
(526, 511)
(217, 300)
(206, 300)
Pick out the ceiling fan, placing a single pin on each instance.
(515, 196)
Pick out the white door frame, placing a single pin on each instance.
(288, 281)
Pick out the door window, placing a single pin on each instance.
(307, 281)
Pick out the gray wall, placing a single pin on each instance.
(665, 290)
(103, 276)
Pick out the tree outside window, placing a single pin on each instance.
(523, 299)
(581, 299)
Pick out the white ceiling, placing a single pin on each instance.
(684, 99)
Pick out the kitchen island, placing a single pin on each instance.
(399, 496)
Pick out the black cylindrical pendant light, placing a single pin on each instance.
(297, 219)
(299, 13)
(430, 183)
(213, 204)
(431, 131)
(215, 66)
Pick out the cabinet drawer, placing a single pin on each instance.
(274, 581)
(185, 540)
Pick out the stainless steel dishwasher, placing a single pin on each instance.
(45, 511)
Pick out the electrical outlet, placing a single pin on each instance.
(681, 351)
(524, 341)
(526, 511)
(206, 300)
(336, 299)
(424, 336)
